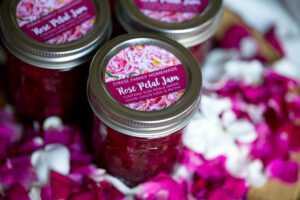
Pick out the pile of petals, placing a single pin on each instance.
(246, 132)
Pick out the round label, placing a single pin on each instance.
(171, 11)
(55, 21)
(145, 78)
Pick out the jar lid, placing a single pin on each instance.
(144, 85)
(54, 34)
(187, 32)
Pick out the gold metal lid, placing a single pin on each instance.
(144, 124)
(188, 33)
(53, 56)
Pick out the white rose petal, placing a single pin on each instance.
(35, 193)
(116, 183)
(228, 117)
(242, 131)
(255, 112)
(256, 177)
(181, 172)
(54, 157)
(212, 106)
(213, 69)
(52, 122)
(236, 163)
(251, 71)
(249, 47)
(208, 138)
(286, 68)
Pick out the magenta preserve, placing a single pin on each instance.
(143, 94)
(134, 159)
(39, 93)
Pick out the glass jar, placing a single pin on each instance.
(191, 23)
(50, 46)
(143, 89)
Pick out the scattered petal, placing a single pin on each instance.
(160, 187)
(286, 171)
(55, 157)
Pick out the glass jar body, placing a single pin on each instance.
(201, 50)
(38, 93)
(134, 159)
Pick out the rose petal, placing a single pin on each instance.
(61, 186)
(17, 170)
(256, 177)
(274, 41)
(27, 147)
(46, 193)
(53, 122)
(160, 187)
(233, 36)
(236, 187)
(55, 157)
(287, 68)
(17, 192)
(287, 171)
(219, 194)
(10, 132)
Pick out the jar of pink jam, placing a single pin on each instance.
(50, 44)
(190, 22)
(143, 89)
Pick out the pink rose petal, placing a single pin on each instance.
(17, 170)
(219, 194)
(236, 187)
(274, 41)
(286, 171)
(17, 192)
(233, 36)
(160, 187)
(46, 193)
(61, 186)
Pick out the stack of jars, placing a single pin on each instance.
(143, 87)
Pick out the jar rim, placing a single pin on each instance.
(53, 56)
(188, 33)
(145, 124)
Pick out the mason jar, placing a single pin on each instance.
(144, 90)
(191, 23)
(50, 46)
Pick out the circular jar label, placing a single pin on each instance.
(171, 11)
(145, 78)
(55, 21)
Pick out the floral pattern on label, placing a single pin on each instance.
(138, 72)
(169, 16)
(173, 11)
(55, 21)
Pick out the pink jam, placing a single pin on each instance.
(38, 93)
(134, 159)
(201, 50)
